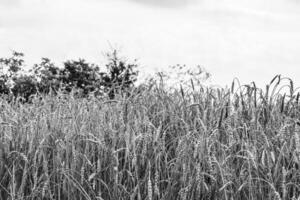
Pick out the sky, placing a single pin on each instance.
(253, 40)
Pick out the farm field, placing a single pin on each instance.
(156, 116)
(198, 142)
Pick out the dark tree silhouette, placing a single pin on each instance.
(24, 86)
(120, 77)
(9, 70)
(80, 75)
(47, 75)
(74, 74)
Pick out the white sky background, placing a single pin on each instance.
(250, 39)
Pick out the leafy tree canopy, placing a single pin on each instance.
(74, 74)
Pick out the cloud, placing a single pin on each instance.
(165, 3)
(9, 2)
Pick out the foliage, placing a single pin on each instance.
(79, 75)
(9, 70)
(120, 74)
(48, 76)
(24, 86)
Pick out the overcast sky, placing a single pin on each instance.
(249, 39)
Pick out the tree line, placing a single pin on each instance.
(84, 77)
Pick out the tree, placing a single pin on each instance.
(48, 76)
(75, 74)
(25, 86)
(80, 75)
(120, 76)
(9, 70)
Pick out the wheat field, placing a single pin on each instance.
(238, 143)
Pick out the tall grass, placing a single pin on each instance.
(205, 143)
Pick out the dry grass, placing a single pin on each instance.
(241, 143)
